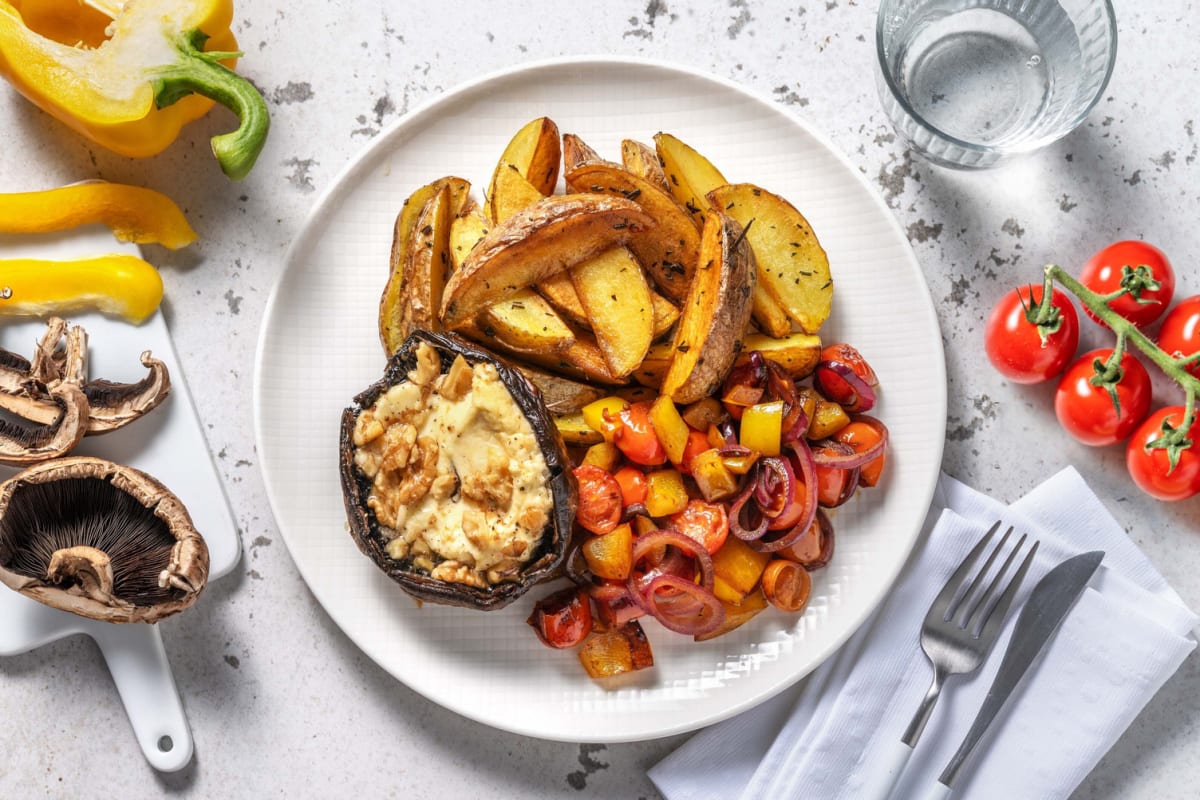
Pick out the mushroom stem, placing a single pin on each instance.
(88, 568)
(47, 364)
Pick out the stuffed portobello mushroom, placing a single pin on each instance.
(456, 481)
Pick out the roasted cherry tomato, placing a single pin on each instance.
(703, 521)
(563, 619)
(786, 585)
(1122, 262)
(835, 485)
(1180, 331)
(862, 436)
(633, 485)
(600, 503)
(1014, 345)
(1087, 412)
(1151, 468)
(835, 384)
(697, 443)
(636, 437)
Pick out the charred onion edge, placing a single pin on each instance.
(563, 489)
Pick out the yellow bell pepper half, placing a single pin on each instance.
(122, 285)
(134, 214)
(130, 83)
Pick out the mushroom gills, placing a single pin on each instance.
(25, 442)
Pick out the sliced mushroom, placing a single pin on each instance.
(28, 393)
(101, 540)
(27, 444)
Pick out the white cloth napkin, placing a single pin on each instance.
(1127, 634)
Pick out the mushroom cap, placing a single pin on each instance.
(100, 540)
(364, 527)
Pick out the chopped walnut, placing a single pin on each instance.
(429, 366)
(457, 381)
(491, 487)
(454, 572)
(366, 429)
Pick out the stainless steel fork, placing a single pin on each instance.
(959, 631)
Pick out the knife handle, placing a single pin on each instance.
(883, 779)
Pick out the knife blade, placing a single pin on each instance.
(1048, 605)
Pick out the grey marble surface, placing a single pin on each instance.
(281, 703)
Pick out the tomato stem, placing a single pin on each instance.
(1173, 440)
(1046, 316)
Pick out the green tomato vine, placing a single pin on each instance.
(1135, 280)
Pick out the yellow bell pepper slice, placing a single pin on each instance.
(132, 213)
(762, 426)
(122, 285)
(665, 493)
(130, 83)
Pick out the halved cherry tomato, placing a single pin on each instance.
(705, 522)
(1014, 344)
(697, 443)
(835, 387)
(1179, 335)
(1104, 272)
(599, 499)
(563, 619)
(786, 585)
(633, 485)
(834, 485)
(1087, 412)
(636, 436)
(1151, 468)
(862, 436)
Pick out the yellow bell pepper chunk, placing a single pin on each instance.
(610, 555)
(601, 415)
(762, 427)
(669, 427)
(134, 214)
(665, 493)
(130, 83)
(122, 285)
(604, 455)
(738, 565)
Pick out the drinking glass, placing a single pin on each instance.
(970, 83)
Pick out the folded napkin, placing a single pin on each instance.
(1126, 635)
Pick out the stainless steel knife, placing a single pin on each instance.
(1048, 605)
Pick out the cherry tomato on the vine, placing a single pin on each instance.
(1180, 331)
(1151, 468)
(1014, 345)
(1087, 412)
(1105, 270)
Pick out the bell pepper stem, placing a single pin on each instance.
(198, 72)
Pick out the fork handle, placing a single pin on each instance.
(885, 774)
(939, 791)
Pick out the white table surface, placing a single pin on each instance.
(281, 703)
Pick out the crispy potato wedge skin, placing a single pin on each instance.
(670, 253)
(576, 152)
(562, 395)
(641, 160)
(511, 192)
(616, 297)
(582, 361)
(406, 220)
(798, 353)
(714, 317)
(792, 266)
(690, 175)
(528, 321)
(412, 296)
(466, 230)
(535, 153)
(537, 242)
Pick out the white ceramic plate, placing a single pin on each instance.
(319, 347)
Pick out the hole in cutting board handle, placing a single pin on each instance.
(165, 744)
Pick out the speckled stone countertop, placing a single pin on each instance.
(280, 702)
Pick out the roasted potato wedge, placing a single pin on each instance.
(511, 192)
(528, 321)
(465, 232)
(798, 353)
(537, 242)
(768, 314)
(582, 361)
(616, 297)
(562, 395)
(412, 296)
(535, 153)
(690, 175)
(792, 266)
(641, 160)
(665, 313)
(406, 220)
(654, 366)
(559, 290)
(670, 253)
(713, 319)
(576, 152)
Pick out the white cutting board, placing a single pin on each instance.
(167, 443)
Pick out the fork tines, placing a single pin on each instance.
(978, 606)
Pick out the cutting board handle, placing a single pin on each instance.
(138, 663)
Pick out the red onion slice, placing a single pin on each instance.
(707, 616)
(801, 457)
(828, 454)
(830, 371)
(774, 487)
(746, 520)
(651, 541)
